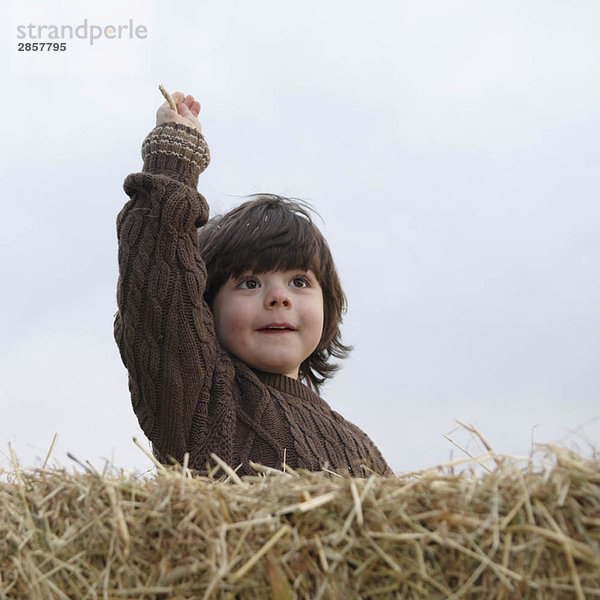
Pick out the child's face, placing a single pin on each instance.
(272, 321)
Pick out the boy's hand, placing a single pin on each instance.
(187, 112)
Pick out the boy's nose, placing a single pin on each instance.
(278, 296)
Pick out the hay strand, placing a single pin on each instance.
(168, 97)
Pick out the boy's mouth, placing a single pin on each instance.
(276, 327)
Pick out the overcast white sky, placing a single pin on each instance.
(452, 149)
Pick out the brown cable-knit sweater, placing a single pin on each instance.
(188, 393)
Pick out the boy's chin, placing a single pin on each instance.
(274, 363)
(277, 370)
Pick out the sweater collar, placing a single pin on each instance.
(288, 385)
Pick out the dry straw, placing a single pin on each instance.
(513, 532)
(168, 97)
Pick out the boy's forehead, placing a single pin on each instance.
(250, 271)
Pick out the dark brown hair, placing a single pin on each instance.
(271, 233)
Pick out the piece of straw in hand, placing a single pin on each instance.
(167, 96)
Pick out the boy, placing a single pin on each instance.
(217, 328)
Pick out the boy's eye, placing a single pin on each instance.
(300, 282)
(248, 284)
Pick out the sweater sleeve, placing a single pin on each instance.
(163, 328)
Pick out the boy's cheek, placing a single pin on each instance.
(229, 326)
(221, 325)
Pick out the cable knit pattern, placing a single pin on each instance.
(188, 393)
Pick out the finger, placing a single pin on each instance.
(195, 108)
(183, 110)
(189, 100)
(178, 97)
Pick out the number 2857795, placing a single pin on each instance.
(41, 46)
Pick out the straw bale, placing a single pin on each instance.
(512, 532)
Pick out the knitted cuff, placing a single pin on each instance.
(176, 150)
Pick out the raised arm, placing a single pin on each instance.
(163, 328)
